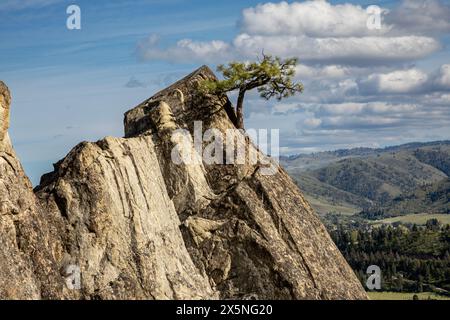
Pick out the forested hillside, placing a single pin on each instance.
(412, 258)
(381, 182)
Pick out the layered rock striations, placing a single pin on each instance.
(137, 224)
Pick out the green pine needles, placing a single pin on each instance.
(271, 76)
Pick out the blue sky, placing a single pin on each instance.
(363, 88)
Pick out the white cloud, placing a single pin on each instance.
(360, 85)
(352, 108)
(413, 81)
(345, 116)
(353, 116)
(343, 88)
(312, 122)
(285, 107)
(351, 51)
(364, 50)
(357, 51)
(401, 81)
(355, 122)
(185, 50)
(420, 17)
(330, 72)
(445, 98)
(313, 31)
(318, 19)
(340, 125)
(443, 78)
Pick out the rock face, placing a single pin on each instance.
(28, 269)
(5, 101)
(137, 224)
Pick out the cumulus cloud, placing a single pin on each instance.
(444, 99)
(359, 122)
(348, 51)
(412, 81)
(353, 50)
(312, 123)
(420, 17)
(314, 31)
(332, 124)
(185, 50)
(320, 19)
(361, 86)
(348, 114)
(285, 107)
(443, 77)
(333, 120)
(317, 19)
(401, 81)
(372, 108)
(341, 125)
(328, 72)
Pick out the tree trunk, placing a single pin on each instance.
(239, 110)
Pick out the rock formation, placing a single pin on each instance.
(138, 225)
(28, 268)
(5, 101)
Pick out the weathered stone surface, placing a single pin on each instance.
(110, 205)
(27, 267)
(140, 226)
(5, 101)
(257, 236)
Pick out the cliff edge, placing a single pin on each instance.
(135, 224)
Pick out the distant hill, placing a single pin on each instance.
(433, 198)
(373, 179)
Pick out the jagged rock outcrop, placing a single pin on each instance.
(5, 101)
(110, 206)
(28, 269)
(140, 225)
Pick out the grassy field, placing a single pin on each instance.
(405, 296)
(419, 219)
(322, 206)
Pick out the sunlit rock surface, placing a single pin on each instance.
(137, 225)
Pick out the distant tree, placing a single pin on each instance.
(272, 76)
(433, 224)
(420, 284)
